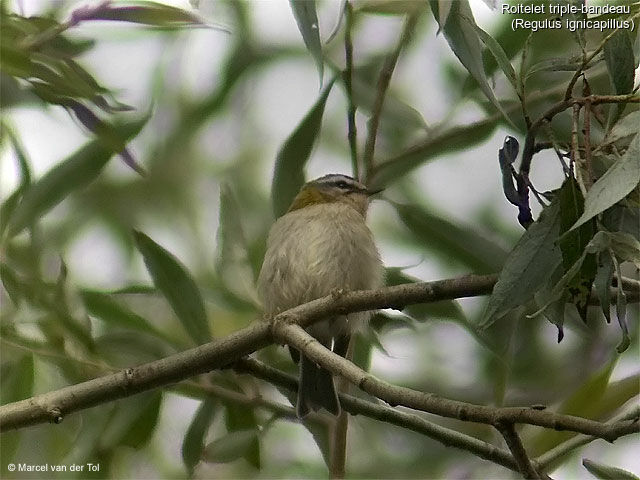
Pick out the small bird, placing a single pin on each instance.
(321, 245)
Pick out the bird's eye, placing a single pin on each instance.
(342, 184)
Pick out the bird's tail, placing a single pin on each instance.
(316, 389)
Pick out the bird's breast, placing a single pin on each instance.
(315, 250)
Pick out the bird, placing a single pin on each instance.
(321, 245)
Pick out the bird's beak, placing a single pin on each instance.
(371, 192)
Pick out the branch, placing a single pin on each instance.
(382, 87)
(352, 133)
(513, 441)
(592, 100)
(545, 460)
(297, 337)
(410, 421)
(54, 406)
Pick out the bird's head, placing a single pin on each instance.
(334, 188)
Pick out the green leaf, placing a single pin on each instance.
(243, 418)
(453, 241)
(288, 174)
(618, 55)
(625, 246)
(104, 307)
(24, 164)
(621, 218)
(174, 281)
(499, 54)
(444, 9)
(133, 421)
(528, 266)
(193, 442)
(602, 282)
(395, 112)
(585, 401)
(623, 128)
(390, 7)
(142, 427)
(573, 244)
(460, 32)
(614, 185)
(147, 13)
(606, 472)
(230, 447)
(72, 174)
(304, 12)
(17, 380)
(435, 144)
(233, 264)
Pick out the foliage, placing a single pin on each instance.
(58, 329)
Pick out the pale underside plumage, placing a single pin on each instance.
(312, 252)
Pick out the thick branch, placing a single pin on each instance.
(54, 406)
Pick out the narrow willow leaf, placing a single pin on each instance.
(230, 447)
(626, 247)
(75, 172)
(147, 13)
(621, 309)
(499, 54)
(606, 472)
(395, 112)
(133, 421)
(618, 55)
(462, 243)
(627, 126)
(621, 218)
(233, 264)
(444, 9)
(614, 185)
(142, 427)
(306, 17)
(24, 165)
(462, 37)
(390, 7)
(529, 265)
(585, 402)
(288, 175)
(193, 442)
(435, 144)
(16, 383)
(174, 281)
(241, 418)
(573, 244)
(602, 282)
(104, 307)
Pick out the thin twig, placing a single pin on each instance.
(530, 140)
(586, 61)
(575, 145)
(352, 132)
(547, 459)
(382, 87)
(587, 178)
(513, 441)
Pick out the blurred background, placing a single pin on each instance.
(222, 99)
